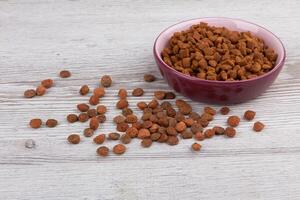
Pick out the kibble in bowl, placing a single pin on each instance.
(219, 60)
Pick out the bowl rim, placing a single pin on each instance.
(158, 57)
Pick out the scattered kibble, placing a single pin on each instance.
(99, 139)
(103, 151)
(230, 132)
(149, 78)
(40, 90)
(113, 136)
(94, 100)
(51, 123)
(29, 93)
(119, 149)
(122, 94)
(84, 90)
(224, 110)
(94, 123)
(137, 92)
(258, 126)
(47, 83)
(99, 92)
(146, 142)
(125, 138)
(233, 121)
(83, 117)
(83, 107)
(72, 118)
(249, 115)
(74, 139)
(35, 123)
(196, 146)
(106, 81)
(64, 74)
(88, 132)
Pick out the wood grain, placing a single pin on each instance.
(38, 38)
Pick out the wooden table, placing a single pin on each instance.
(38, 38)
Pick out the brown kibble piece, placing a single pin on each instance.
(210, 110)
(47, 83)
(84, 90)
(51, 123)
(122, 94)
(123, 103)
(74, 139)
(119, 119)
(88, 132)
(196, 127)
(233, 121)
(113, 136)
(99, 139)
(142, 105)
(219, 130)
(180, 127)
(224, 110)
(230, 132)
(122, 127)
(83, 117)
(35, 123)
(196, 147)
(249, 115)
(94, 123)
(65, 74)
(125, 139)
(188, 122)
(209, 133)
(137, 92)
(160, 95)
(155, 136)
(103, 151)
(94, 100)
(72, 118)
(29, 93)
(101, 118)
(99, 92)
(146, 142)
(149, 78)
(171, 131)
(207, 117)
(187, 134)
(127, 111)
(106, 81)
(199, 136)
(132, 132)
(83, 107)
(258, 126)
(153, 104)
(131, 119)
(143, 133)
(119, 149)
(172, 140)
(40, 90)
(163, 138)
(101, 109)
(92, 113)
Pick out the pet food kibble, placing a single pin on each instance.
(160, 95)
(126, 111)
(230, 132)
(147, 124)
(171, 131)
(207, 117)
(188, 122)
(172, 122)
(149, 78)
(258, 126)
(99, 92)
(72, 118)
(172, 140)
(99, 139)
(94, 123)
(74, 139)
(113, 136)
(122, 94)
(146, 142)
(119, 149)
(47, 83)
(199, 136)
(155, 136)
(180, 127)
(143, 133)
(65, 74)
(84, 90)
(137, 92)
(51, 123)
(94, 100)
(194, 116)
(40, 90)
(163, 138)
(142, 105)
(119, 119)
(187, 134)
(170, 95)
(29, 93)
(209, 133)
(101, 118)
(122, 127)
(131, 119)
(101, 109)
(249, 115)
(132, 132)
(219, 130)
(83, 107)
(165, 105)
(233, 121)
(210, 110)
(196, 127)
(218, 54)
(125, 139)
(92, 113)
(123, 103)
(83, 117)
(196, 147)
(35, 123)
(204, 123)
(103, 151)
(153, 104)
(224, 110)
(106, 81)
(88, 132)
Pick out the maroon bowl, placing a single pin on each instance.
(219, 92)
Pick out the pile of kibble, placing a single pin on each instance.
(216, 53)
(160, 122)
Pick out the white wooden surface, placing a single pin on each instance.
(38, 38)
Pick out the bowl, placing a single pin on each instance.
(219, 92)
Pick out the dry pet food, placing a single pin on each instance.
(102, 151)
(35, 123)
(65, 74)
(74, 139)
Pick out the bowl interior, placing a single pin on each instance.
(232, 24)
